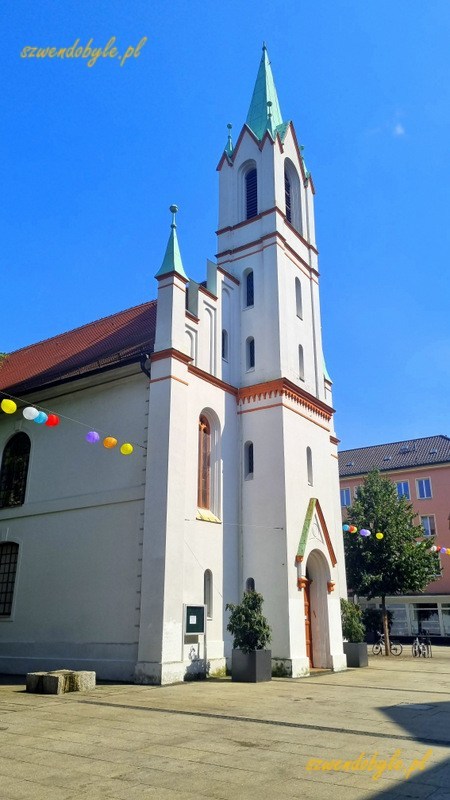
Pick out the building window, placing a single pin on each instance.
(298, 298)
(309, 465)
(250, 354)
(225, 345)
(251, 194)
(345, 498)
(423, 486)
(14, 471)
(249, 289)
(248, 459)
(204, 463)
(429, 525)
(208, 593)
(9, 552)
(250, 585)
(445, 610)
(287, 195)
(301, 363)
(425, 619)
(403, 489)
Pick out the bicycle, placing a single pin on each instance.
(396, 648)
(422, 646)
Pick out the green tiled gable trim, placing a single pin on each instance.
(306, 526)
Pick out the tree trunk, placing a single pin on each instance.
(387, 649)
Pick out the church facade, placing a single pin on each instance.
(233, 482)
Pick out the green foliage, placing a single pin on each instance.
(247, 623)
(372, 619)
(401, 562)
(352, 626)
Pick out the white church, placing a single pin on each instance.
(222, 389)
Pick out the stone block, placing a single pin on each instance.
(60, 681)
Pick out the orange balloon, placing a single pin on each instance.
(109, 442)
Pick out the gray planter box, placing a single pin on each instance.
(251, 667)
(356, 653)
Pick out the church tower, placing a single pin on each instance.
(291, 541)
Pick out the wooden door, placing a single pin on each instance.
(308, 633)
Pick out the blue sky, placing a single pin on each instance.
(91, 158)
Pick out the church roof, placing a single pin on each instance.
(264, 113)
(395, 456)
(107, 342)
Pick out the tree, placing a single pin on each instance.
(248, 624)
(399, 563)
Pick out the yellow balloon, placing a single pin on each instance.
(8, 406)
(109, 442)
(379, 535)
(126, 449)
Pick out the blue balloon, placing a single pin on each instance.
(41, 418)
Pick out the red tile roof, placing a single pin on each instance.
(107, 342)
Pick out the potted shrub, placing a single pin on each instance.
(250, 661)
(355, 648)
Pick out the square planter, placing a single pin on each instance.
(356, 653)
(251, 667)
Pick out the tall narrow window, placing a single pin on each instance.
(309, 465)
(225, 345)
(248, 460)
(298, 298)
(287, 195)
(250, 352)
(251, 194)
(249, 289)
(250, 585)
(8, 566)
(14, 471)
(204, 463)
(208, 593)
(301, 363)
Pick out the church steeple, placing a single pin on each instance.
(172, 259)
(262, 117)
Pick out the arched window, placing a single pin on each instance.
(292, 195)
(249, 289)
(14, 471)
(301, 363)
(248, 460)
(309, 465)
(204, 463)
(251, 194)
(250, 585)
(298, 298)
(9, 552)
(250, 354)
(208, 593)
(225, 345)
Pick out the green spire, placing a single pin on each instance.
(229, 145)
(172, 260)
(262, 117)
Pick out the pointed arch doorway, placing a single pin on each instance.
(315, 593)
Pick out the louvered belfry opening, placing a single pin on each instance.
(287, 195)
(251, 193)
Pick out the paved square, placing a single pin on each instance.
(219, 739)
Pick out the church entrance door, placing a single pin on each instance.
(308, 633)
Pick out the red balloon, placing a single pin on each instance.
(52, 420)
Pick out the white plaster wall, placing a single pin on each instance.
(76, 600)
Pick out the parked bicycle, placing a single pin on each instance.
(377, 649)
(422, 646)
